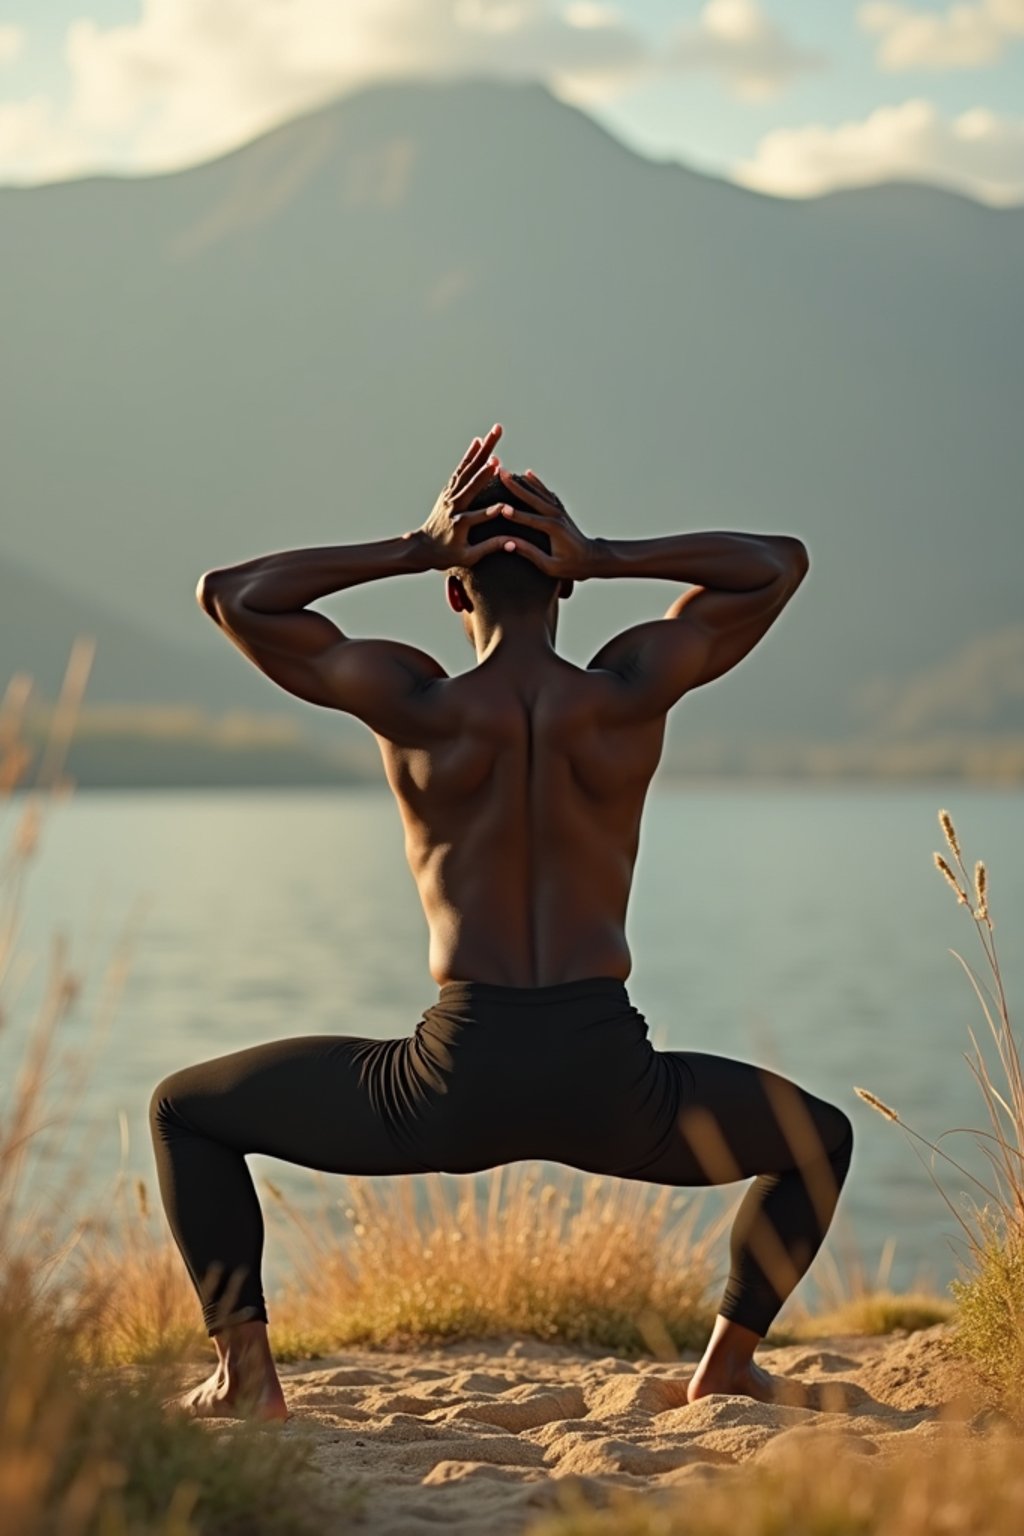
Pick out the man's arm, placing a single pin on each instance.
(740, 584)
(261, 607)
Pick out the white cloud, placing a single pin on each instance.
(188, 78)
(589, 13)
(978, 152)
(737, 41)
(30, 134)
(12, 41)
(964, 36)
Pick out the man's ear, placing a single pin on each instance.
(458, 597)
(565, 588)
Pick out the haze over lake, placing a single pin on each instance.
(803, 928)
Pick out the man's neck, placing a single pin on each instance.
(521, 637)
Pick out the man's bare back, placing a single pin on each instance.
(521, 783)
(522, 823)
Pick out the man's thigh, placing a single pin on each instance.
(736, 1120)
(320, 1101)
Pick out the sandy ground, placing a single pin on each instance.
(480, 1438)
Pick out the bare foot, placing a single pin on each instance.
(218, 1397)
(752, 1380)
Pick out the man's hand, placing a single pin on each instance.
(573, 555)
(445, 534)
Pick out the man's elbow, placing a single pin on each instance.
(796, 557)
(210, 594)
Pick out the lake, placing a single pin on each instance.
(799, 926)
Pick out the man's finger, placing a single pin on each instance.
(464, 494)
(540, 486)
(475, 552)
(531, 496)
(519, 514)
(474, 445)
(479, 455)
(537, 557)
(474, 515)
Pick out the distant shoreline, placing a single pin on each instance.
(185, 747)
(671, 782)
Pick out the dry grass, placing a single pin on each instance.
(879, 1312)
(399, 1263)
(847, 1299)
(579, 1259)
(989, 1331)
(596, 1262)
(136, 1303)
(83, 1453)
(587, 1261)
(823, 1487)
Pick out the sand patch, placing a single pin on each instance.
(478, 1438)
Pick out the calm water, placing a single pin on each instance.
(802, 928)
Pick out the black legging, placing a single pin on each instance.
(494, 1074)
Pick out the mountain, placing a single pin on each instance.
(293, 344)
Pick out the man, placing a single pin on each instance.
(521, 785)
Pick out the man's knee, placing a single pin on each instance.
(841, 1137)
(166, 1101)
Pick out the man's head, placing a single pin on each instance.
(504, 584)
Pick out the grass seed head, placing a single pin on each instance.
(876, 1103)
(946, 823)
(944, 869)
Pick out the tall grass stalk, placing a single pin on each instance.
(990, 1294)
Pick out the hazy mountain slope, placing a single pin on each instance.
(293, 344)
(981, 685)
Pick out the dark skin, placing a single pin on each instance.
(521, 783)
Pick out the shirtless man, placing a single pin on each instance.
(521, 785)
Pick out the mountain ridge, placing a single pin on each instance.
(335, 102)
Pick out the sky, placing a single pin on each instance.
(792, 97)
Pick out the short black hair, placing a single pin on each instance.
(504, 582)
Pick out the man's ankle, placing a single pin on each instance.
(244, 1349)
(725, 1362)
